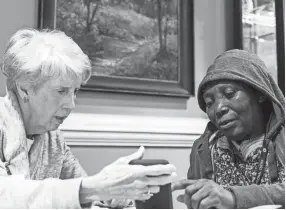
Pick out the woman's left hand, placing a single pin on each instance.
(114, 203)
(204, 194)
(119, 203)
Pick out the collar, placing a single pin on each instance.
(246, 147)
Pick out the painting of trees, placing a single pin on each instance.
(125, 38)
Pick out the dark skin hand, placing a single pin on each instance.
(204, 194)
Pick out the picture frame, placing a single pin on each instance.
(184, 87)
(279, 31)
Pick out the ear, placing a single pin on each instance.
(22, 91)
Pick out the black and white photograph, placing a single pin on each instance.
(142, 104)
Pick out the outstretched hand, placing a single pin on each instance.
(120, 180)
(203, 193)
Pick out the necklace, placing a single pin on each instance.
(249, 145)
(262, 161)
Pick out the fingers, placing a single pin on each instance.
(134, 190)
(160, 180)
(207, 194)
(154, 189)
(137, 190)
(157, 170)
(208, 203)
(198, 196)
(182, 184)
(180, 198)
(191, 189)
(117, 203)
(154, 171)
(136, 155)
(120, 203)
(145, 197)
(147, 192)
(187, 201)
(183, 198)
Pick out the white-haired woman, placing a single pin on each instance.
(44, 70)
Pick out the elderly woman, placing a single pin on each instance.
(44, 72)
(239, 160)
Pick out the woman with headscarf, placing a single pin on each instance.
(239, 161)
(44, 70)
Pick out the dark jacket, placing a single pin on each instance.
(244, 67)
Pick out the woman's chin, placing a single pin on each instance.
(234, 134)
(54, 126)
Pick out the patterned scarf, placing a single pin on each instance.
(240, 169)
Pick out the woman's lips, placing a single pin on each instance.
(226, 124)
(60, 119)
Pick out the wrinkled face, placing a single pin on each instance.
(234, 110)
(51, 103)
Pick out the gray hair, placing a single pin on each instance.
(33, 57)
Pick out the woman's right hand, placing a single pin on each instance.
(204, 194)
(120, 180)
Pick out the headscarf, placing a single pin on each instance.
(245, 67)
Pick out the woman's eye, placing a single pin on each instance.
(61, 92)
(208, 104)
(229, 94)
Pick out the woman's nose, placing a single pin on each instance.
(70, 102)
(221, 110)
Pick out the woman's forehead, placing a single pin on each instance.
(211, 86)
(70, 83)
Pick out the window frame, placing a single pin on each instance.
(280, 40)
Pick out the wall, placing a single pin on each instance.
(15, 14)
(212, 36)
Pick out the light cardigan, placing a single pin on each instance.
(46, 176)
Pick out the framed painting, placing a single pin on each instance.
(135, 46)
(260, 29)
